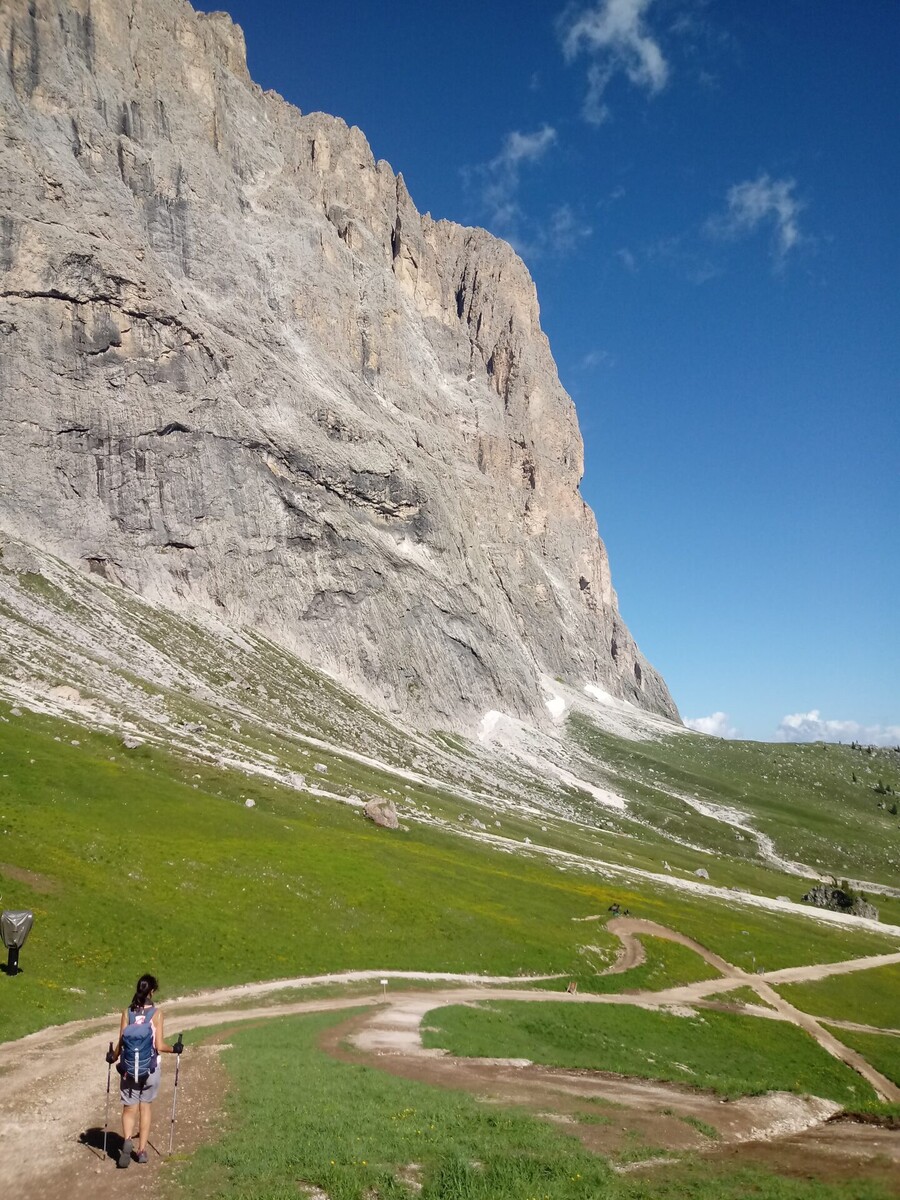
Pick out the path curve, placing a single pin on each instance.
(38, 1135)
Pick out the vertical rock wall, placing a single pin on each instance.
(239, 370)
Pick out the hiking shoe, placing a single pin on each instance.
(141, 1156)
(124, 1154)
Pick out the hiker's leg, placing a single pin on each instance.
(129, 1115)
(146, 1114)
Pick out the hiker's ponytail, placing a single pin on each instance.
(145, 986)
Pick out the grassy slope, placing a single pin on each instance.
(298, 1118)
(731, 1054)
(880, 1049)
(667, 964)
(240, 695)
(867, 997)
(150, 861)
(803, 796)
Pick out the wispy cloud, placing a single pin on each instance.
(596, 358)
(717, 724)
(812, 727)
(565, 230)
(497, 184)
(613, 34)
(500, 177)
(757, 203)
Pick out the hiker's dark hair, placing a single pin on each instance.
(145, 985)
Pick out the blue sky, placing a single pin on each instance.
(706, 192)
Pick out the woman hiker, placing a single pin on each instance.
(140, 1044)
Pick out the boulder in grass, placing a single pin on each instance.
(702, 873)
(383, 812)
(132, 743)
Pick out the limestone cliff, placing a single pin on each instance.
(239, 370)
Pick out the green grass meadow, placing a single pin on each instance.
(881, 1050)
(727, 1053)
(298, 1120)
(144, 860)
(818, 802)
(667, 964)
(866, 997)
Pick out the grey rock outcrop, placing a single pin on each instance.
(835, 898)
(383, 812)
(240, 371)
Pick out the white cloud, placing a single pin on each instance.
(596, 358)
(757, 202)
(565, 230)
(497, 183)
(614, 34)
(716, 725)
(811, 727)
(499, 179)
(525, 147)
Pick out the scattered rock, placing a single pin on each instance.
(383, 812)
(69, 695)
(130, 742)
(321, 768)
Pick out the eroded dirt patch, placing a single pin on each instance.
(38, 883)
(610, 1114)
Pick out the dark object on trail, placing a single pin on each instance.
(841, 899)
(15, 928)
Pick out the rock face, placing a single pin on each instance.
(239, 370)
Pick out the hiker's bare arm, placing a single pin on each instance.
(162, 1045)
(117, 1049)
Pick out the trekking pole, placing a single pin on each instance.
(180, 1045)
(108, 1078)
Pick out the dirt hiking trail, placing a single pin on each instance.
(53, 1082)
